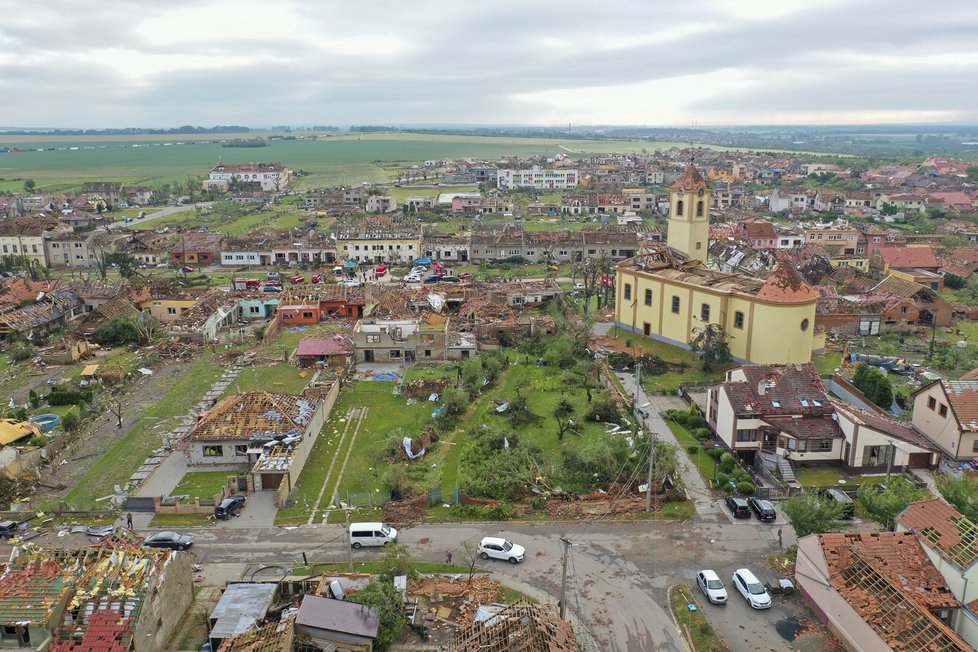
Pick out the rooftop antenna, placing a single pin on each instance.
(692, 153)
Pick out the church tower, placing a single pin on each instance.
(689, 215)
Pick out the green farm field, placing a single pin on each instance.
(333, 160)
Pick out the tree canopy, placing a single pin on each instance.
(874, 384)
(812, 514)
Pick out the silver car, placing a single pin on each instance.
(711, 586)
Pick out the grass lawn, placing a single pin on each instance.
(366, 466)
(281, 377)
(288, 340)
(827, 363)
(694, 623)
(828, 476)
(129, 452)
(668, 383)
(705, 464)
(431, 372)
(201, 484)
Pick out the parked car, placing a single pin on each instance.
(381, 270)
(171, 540)
(271, 288)
(751, 588)
(274, 282)
(552, 268)
(578, 286)
(8, 529)
(433, 279)
(229, 507)
(449, 279)
(273, 276)
(763, 509)
(372, 534)
(711, 586)
(841, 497)
(499, 548)
(413, 278)
(317, 278)
(465, 275)
(738, 507)
(349, 283)
(295, 280)
(186, 269)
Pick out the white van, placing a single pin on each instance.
(371, 534)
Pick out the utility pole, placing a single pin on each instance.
(889, 460)
(648, 483)
(563, 579)
(349, 540)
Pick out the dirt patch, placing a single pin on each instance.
(94, 440)
(406, 513)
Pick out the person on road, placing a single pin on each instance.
(129, 520)
(448, 556)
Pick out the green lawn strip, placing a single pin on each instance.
(366, 467)
(694, 623)
(131, 450)
(670, 381)
(182, 520)
(432, 372)
(674, 510)
(201, 484)
(705, 464)
(281, 377)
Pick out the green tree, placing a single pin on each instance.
(666, 466)
(961, 493)
(128, 266)
(884, 502)
(385, 600)
(519, 411)
(811, 514)
(397, 560)
(563, 412)
(874, 384)
(29, 185)
(972, 172)
(888, 209)
(711, 344)
(953, 281)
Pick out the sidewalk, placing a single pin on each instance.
(699, 490)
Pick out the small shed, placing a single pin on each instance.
(345, 625)
(335, 351)
(242, 607)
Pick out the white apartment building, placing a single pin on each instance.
(537, 178)
(271, 177)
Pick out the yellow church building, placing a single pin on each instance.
(669, 294)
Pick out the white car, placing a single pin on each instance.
(499, 548)
(752, 589)
(711, 586)
(413, 278)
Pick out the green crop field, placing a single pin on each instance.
(67, 162)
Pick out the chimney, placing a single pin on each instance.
(761, 388)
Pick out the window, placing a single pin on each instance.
(705, 312)
(699, 209)
(646, 329)
(932, 402)
(373, 339)
(427, 353)
(628, 291)
(648, 297)
(213, 451)
(822, 445)
(241, 449)
(804, 324)
(171, 311)
(974, 448)
(943, 410)
(746, 435)
(679, 207)
(796, 445)
(776, 404)
(254, 310)
(395, 353)
(738, 319)
(675, 305)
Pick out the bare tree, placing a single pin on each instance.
(471, 557)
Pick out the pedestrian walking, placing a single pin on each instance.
(780, 541)
(448, 556)
(129, 520)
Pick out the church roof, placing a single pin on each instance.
(786, 284)
(691, 180)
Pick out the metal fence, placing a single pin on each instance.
(437, 497)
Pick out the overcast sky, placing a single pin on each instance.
(143, 63)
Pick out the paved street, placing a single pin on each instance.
(163, 212)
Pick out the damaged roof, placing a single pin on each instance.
(778, 389)
(255, 416)
(943, 529)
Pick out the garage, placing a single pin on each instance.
(919, 460)
(271, 481)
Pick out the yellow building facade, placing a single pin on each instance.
(669, 294)
(167, 310)
(689, 215)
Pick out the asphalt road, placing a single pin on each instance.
(618, 575)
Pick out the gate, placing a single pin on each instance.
(139, 504)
